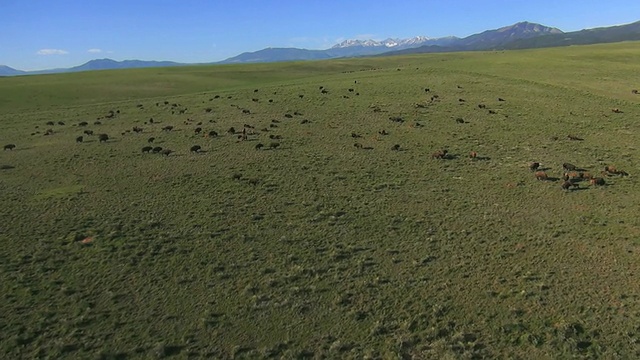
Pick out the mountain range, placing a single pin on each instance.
(522, 35)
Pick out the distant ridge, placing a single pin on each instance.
(522, 35)
(93, 65)
(8, 71)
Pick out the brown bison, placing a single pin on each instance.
(541, 175)
(440, 154)
(473, 155)
(568, 184)
(9, 146)
(597, 181)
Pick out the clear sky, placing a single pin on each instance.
(45, 34)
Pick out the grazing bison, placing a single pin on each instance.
(440, 154)
(259, 146)
(597, 181)
(324, 91)
(167, 128)
(351, 90)
(288, 116)
(396, 147)
(195, 148)
(60, 123)
(156, 149)
(574, 138)
(617, 111)
(166, 152)
(355, 136)
(151, 140)
(88, 132)
(147, 149)
(569, 167)
(197, 130)
(541, 175)
(460, 120)
(213, 133)
(79, 139)
(83, 123)
(9, 146)
(634, 91)
(501, 99)
(383, 132)
(473, 155)
(566, 185)
(275, 137)
(357, 145)
(300, 96)
(137, 129)
(231, 130)
(246, 111)
(50, 123)
(274, 145)
(461, 100)
(103, 137)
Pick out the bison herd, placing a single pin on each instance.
(573, 175)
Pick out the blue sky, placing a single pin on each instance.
(44, 34)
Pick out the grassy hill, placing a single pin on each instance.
(315, 247)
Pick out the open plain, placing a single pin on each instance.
(313, 221)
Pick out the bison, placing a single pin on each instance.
(597, 181)
(473, 155)
(156, 149)
(151, 140)
(569, 167)
(197, 130)
(357, 145)
(274, 145)
(167, 128)
(103, 137)
(440, 154)
(9, 146)
(147, 149)
(195, 148)
(541, 175)
(88, 132)
(259, 146)
(79, 139)
(166, 152)
(568, 185)
(213, 133)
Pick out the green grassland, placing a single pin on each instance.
(316, 248)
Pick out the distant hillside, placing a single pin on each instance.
(347, 48)
(108, 64)
(8, 71)
(98, 64)
(488, 40)
(583, 37)
(277, 54)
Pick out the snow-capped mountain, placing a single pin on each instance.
(396, 43)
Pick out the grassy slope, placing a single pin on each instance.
(321, 249)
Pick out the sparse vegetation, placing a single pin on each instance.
(322, 247)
